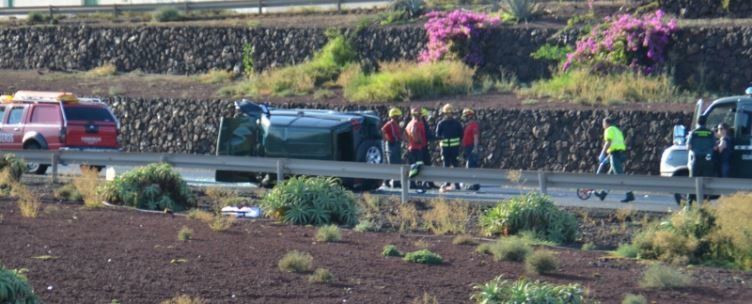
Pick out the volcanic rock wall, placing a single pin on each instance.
(714, 58)
(512, 139)
(708, 8)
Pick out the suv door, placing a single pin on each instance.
(45, 121)
(12, 128)
(742, 159)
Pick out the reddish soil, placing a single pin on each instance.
(108, 254)
(169, 86)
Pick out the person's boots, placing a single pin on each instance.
(629, 198)
(601, 194)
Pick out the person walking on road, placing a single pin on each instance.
(416, 142)
(393, 136)
(471, 142)
(724, 150)
(449, 133)
(615, 149)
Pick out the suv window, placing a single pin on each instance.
(16, 115)
(44, 114)
(723, 113)
(88, 114)
(2, 114)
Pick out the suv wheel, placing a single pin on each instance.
(35, 168)
(370, 152)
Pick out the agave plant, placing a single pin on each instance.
(520, 10)
(314, 200)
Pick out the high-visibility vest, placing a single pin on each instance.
(450, 142)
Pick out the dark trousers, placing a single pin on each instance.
(471, 159)
(394, 152)
(701, 167)
(449, 157)
(617, 159)
(427, 156)
(414, 156)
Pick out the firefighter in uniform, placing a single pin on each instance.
(393, 135)
(700, 144)
(449, 133)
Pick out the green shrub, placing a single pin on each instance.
(185, 233)
(12, 168)
(321, 276)
(391, 251)
(167, 14)
(14, 288)
(401, 81)
(296, 261)
(660, 276)
(311, 200)
(423, 256)
(591, 87)
(684, 237)
(68, 192)
(524, 291)
(216, 77)
(541, 262)
(152, 187)
(634, 299)
(512, 249)
(588, 246)
(534, 212)
(552, 52)
(328, 233)
(366, 226)
(627, 251)
(36, 17)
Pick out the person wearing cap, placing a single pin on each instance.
(724, 149)
(416, 143)
(470, 141)
(393, 135)
(615, 149)
(449, 133)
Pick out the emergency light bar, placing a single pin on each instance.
(52, 97)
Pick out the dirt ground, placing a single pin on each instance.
(107, 254)
(172, 86)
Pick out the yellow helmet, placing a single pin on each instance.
(395, 112)
(467, 112)
(425, 112)
(447, 108)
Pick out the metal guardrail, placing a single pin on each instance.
(184, 6)
(700, 186)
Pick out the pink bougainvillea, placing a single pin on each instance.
(456, 33)
(637, 42)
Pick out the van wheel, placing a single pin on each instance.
(370, 152)
(35, 168)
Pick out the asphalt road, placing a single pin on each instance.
(487, 193)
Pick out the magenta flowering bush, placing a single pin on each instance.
(625, 40)
(457, 33)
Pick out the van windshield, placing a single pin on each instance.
(88, 114)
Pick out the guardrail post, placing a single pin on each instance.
(280, 171)
(260, 6)
(700, 190)
(339, 6)
(55, 161)
(404, 183)
(542, 183)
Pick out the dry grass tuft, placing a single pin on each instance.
(732, 218)
(425, 299)
(447, 217)
(296, 261)
(328, 233)
(185, 233)
(216, 77)
(184, 299)
(662, 277)
(28, 201)
(407, 218)
(464, 239)
(200, 215)
(104, 70)
(320, 276)
(541, 262)
(86, 184)
(222, 223)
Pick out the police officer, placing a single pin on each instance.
(449, 133)
(701, 143)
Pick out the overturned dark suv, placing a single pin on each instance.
(299, 133)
